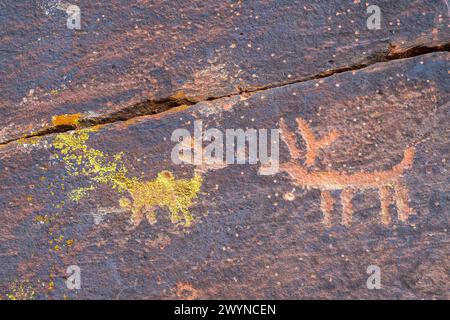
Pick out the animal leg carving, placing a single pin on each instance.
(401, 201)
(385, 199)
(326, 204)
(347, 206)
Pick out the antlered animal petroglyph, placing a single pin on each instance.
(327, 181)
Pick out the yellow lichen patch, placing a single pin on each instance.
(58, 243)
(81, 160)
(29, 140)
(21, 290)
(142, 198)
(66, 119)
(51, 286)
(77, 194)
(164, 191)
(181, 107)
(44, 219)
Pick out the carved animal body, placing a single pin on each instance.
(327, 181)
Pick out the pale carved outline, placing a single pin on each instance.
(388, 183)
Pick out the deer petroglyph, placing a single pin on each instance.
(386, 182)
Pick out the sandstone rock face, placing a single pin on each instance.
(88, 135)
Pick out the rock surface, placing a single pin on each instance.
(135, 57)
(363, 174)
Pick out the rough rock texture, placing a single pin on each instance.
(131, 54)
(363, 177)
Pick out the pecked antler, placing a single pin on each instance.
(312, 144)
(290, 139)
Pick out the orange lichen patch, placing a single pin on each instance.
(326, 205)
(179, 95)
(385, 200)
(186, 291)
(347, 206)
(66, 119)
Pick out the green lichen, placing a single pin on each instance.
(142, 198)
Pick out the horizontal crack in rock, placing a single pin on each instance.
(156, 107)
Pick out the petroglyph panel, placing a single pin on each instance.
(347, 183)
(136, 57)
(308, 231)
